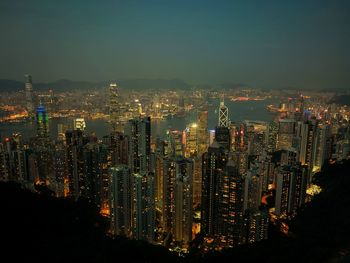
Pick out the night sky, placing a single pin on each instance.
(303, 44)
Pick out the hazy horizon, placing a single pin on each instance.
(270, 44)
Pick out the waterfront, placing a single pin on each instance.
(238, 111)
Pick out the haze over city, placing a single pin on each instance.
(175, 131)
(269, 44)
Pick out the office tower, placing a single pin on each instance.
(175, 145)
(42, 122)
(272, 137)
(79, 124)
(240, 158)
(90, 180)
(290, 189)
(143, 206)
(306, 143)
(12, 159)
(119, 148)
(114, 108)
(257, 226)
(288, 157)
(222, 137)
(191, 146)
(61, 170)
(177, 198)
(223, 114)
(202, 134)
(75, 162)
(229, 216)
(3, 163)
(138, 131)
(197, 181)
(213, 166)
(211, 136)
(321, 149)
(285, 134)
(159, 178)
(120, 194)
(182, 216)
(169, 181)
(105, 162)
(29, 96)
(234, 137)
(61, 131)
(252, 190)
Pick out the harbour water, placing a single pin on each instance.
(238, 111)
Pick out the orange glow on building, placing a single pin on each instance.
(104, 211)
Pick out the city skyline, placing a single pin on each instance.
(271, 44)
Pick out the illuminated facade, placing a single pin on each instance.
(285, 134)
(202, 132)
(114, 107)
(79, 124)
(191, 147)
(29, 96)
(223, 115)
(120, 200)
(42, 122)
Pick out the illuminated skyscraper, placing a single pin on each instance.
(213, 167)
(321, 149)
(177, 198)
(114, 107)
(306, 143)
(42, 121)
(285, 134)
(229, 216)
(223, 137)
(29, 96)
(257, 226)
(120, 200)
(223, 114)
(138, 132)
(202, 133)
(175, 143)
(75, 162)
(191, 148)
(182, 219)
(290, 189)
(143, 206)
(79, 123)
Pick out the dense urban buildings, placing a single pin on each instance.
(226, 183)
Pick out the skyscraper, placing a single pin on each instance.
(202, 132)
(285, 134)
(42, 121)
(191, 147)
(29, 96)
(213, 166)
(223, 114)
(138, 132)
(114, 107)
(120, 200)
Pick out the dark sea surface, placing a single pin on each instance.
(238, 112)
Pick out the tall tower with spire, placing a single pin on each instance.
(223, 114)
(114, 107)
(29, 96)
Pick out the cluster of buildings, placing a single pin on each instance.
(217, 184)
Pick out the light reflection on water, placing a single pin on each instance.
(238, 111)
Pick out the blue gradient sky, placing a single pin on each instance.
(260, 43)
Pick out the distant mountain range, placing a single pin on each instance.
(66, 85)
